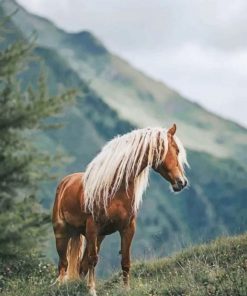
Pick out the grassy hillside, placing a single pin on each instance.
(135, 96)
(218, 268)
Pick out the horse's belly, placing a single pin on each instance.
(108, 228)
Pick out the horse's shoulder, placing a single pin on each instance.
(73, 176)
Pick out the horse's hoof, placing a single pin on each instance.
(62, 279)
(54, 283)
(58, 282)
(92, 292)
(65, 279)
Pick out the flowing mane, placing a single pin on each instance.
(121, 160)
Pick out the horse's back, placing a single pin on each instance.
(69, 201)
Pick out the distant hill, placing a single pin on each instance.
(218, 268)
(115, 98)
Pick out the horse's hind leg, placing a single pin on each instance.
(62, 238)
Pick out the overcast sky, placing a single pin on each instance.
(198, 47)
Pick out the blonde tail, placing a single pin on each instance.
(75, 252)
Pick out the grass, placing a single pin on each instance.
(218, 268)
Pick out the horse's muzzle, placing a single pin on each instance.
(179, 185)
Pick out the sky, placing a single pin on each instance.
(197, 47)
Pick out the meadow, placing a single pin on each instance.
(217, 268)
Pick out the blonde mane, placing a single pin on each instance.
(120, 161)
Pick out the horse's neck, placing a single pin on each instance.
(145, 162)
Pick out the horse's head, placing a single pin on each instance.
(172, 166)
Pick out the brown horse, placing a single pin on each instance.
(106, 198)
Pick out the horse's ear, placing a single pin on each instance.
(172, 130)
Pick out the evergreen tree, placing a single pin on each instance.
(23, 110)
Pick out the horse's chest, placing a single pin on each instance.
(118, 217)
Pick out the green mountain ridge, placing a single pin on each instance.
(95, 129)
(216, 201)
(135, 96)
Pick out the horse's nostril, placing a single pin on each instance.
(181, 182)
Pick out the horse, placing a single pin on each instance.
(106, 198)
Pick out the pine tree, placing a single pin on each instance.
(23, 110)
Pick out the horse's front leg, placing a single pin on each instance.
(126, 239)
(91, 236)
(84, 263)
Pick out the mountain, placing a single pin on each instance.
(115, 98)
(135, 96)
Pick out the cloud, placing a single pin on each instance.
(209, 76)
(198, 46)
(157, 23)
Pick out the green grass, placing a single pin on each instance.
(218, 268)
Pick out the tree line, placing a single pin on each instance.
(24, 110)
